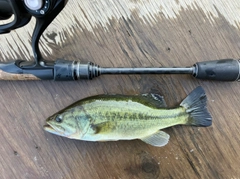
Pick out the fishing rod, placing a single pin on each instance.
(63, 70)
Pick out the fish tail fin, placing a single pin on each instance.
(196, 106)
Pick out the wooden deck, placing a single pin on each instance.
(129, 34)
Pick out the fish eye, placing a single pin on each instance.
(58, 118)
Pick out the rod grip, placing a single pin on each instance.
(13, 71)
(10, 76)
(221, 70)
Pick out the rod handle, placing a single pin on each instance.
(10, 76)
(221, 70)
(14, 71)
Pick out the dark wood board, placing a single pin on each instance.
(27, 151)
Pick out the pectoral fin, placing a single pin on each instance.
(158, 139)
(103, 127)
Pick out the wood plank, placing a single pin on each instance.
(129, 34)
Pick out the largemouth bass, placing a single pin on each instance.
(118, 117)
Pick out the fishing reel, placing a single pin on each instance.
(22, 11)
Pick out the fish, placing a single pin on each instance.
(123, 117)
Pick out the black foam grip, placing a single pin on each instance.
(221, 70)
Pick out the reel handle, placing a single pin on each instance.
(5, 10)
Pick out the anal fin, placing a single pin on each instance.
(157, 139)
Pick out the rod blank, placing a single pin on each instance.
(189, 70)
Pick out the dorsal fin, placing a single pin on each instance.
(155, 99)
(149, 99)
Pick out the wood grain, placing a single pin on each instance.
(9, 76)
(124, 34)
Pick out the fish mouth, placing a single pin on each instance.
(50, 128)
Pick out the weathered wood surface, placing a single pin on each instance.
(130, 34)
